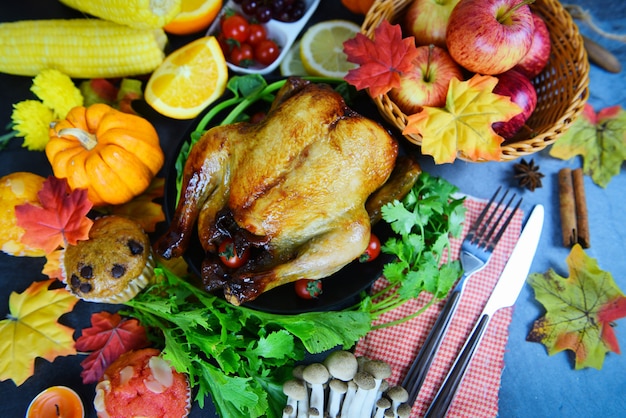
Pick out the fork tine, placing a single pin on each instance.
(495, 240)
(473, 229)
(484, 236)
(482, 232)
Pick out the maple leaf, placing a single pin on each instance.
(108, 337)
(464, 124)
(52, 268)
(580, 310)
(600, 138)
(142, 209)
(32, 330)
(381, 61)
(60, 220)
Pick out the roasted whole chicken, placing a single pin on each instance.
(292, 188)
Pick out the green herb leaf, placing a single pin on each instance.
(239, 356)
(425, 220)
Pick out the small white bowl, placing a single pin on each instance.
(283, 33)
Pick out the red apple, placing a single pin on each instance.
(522, 92)
(427, 83)
(538, 55)
(427, 21)
(490, 36)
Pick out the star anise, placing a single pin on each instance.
(527, 174)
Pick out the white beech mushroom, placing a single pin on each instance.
(398, 396)
(366, 384)
(316, 375)
(382, 405)
(384, 386)
(403, 411)
(379, 370)
(341, 365)
(296, 392)
(336, 391)
(347, 399)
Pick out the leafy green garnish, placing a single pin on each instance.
(240, 356)
(425, 220)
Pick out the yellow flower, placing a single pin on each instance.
(31, 120)
(57, 91)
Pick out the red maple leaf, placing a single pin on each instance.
(60, 220)
(381, 61)
(109, 337)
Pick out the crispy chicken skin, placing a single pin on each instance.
(292, 187)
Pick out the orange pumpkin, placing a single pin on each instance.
(114, 155)
(358, 6)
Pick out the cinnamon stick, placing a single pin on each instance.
(582, 221)
(567, 207)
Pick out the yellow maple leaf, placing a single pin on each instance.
(464, 124)
(32, 330)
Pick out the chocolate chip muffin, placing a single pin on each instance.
(113, 265)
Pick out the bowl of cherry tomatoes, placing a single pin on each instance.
(255, 35)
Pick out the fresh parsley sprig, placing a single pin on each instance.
(424, 221)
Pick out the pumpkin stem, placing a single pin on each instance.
(86, 139)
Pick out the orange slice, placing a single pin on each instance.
(188, 80)
(194, 16)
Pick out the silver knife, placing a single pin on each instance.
(504, 294)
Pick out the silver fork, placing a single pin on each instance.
(476, 251)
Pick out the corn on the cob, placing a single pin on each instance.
(141, 14)
(80, 48)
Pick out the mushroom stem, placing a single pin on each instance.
(316, 375)
(336, 391)
(366, 384)
(379, 370)
(348, 398)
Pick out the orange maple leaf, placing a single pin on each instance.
(60, 220)
(52, 268)
(381, 61)
(32, 330)
(142, 209)
(464, 124)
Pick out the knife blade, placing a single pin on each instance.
(504, 294)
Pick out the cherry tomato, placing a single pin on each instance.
(256, 34)
(308, 289)
(236, 27)
(231, 256)
(372, 251)
(241, 55)
(266, 52)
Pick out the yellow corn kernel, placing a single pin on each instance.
(80, 48)
(141, 14)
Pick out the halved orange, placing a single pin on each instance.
(194, 16)
(188, 80)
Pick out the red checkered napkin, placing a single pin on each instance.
(478, 394)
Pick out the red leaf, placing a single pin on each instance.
(60, 220)
(381, 61)
(109, 337)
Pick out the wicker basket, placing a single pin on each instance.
(562, 87)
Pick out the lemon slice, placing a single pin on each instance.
(194, 16)
(291, 63)
(321, 48)
(188, 80)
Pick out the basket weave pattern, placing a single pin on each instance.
(562, 87)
